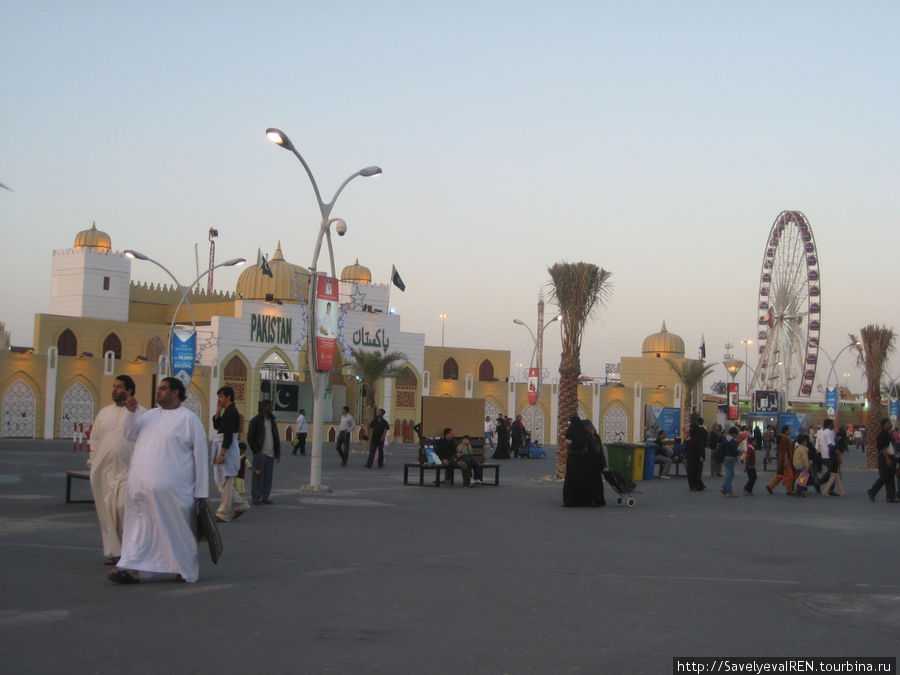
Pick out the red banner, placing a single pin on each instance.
(327, 312)
(733, 410)
(532, 386)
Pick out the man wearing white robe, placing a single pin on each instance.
(169, 471)
(110, 455)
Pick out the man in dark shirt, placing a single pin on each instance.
(694, 454)
(377, 433)
(887, 463)
(227, 421)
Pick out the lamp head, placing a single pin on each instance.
(234, 261)
(134, 254)
(370, 171)
(519, 322)
(278, 137)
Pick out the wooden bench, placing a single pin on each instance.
(448, 473)
(83, 475)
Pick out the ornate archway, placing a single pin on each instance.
(615, 425)
(77, 408)
(18, 411)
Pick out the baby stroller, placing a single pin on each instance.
(622, 486)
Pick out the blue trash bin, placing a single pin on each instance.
(650, 450)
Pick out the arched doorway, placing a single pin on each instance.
(18, 411)
(615, 425)
(535, 424)
(77, 408)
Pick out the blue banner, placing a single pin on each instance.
(831, 401)
(894, 408)
(797, 423)
(184, 353)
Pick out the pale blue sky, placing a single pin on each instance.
(656, 139)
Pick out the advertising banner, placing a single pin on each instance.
(831, 401)
(327, 311)
(894, 408)
(765, 402)
(184, 353)
(532, 386)
(658, 418)
(733, 410)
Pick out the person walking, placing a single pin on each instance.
(302, 432)
(887, 464)
(716, 437)
(729, 458)
(262, 435)
(801, 464)
(169, 472)
(784, 470)
(345, 431)
(377, 433)
(825, 446)
(518, 435)
(750, 465)
(489, 428)
(502, 451)
(695, 454)
(108, 461)
(227, 421)
(835, 457)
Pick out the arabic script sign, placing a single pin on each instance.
(378, 339)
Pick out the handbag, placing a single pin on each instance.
(207, 530)
(803, 478)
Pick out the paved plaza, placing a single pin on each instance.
(376, 576)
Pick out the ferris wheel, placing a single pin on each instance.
(789, 309)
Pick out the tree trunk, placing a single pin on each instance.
(873, 426)
(569, 370)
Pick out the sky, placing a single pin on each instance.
(658, 140)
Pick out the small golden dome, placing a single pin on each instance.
(287, 283)
(663, 344)
(356, 273)
(94, 239)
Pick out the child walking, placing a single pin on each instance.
(750, 466)
(801, 464)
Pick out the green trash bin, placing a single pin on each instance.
(621, 457)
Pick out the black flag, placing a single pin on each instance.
(262, 263)
(395, 277)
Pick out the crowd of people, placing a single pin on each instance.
(149, 468)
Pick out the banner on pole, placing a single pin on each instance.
(184, 353)
(831, 401)
(532, 386)
(733, 410)
(327, 312)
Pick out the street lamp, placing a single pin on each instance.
(185, 289)
(443, 318)
(319, 380)
(746, 344)
(833, 362)
(538, 350)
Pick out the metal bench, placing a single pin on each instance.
(83, 475)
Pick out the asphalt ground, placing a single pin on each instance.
(376, 576)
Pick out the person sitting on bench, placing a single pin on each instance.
(448, 453)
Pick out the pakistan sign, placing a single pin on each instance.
(270, 329)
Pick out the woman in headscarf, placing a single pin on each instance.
(502, 451)
(579, 486)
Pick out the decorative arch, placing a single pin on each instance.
(450, 369)
(113, 344)
(234, 375)
(405, 388)
(486, 371)
(193, 403)
(491, 409)
(77, 409)
(535, 425)
(19, 406)
(67, 343)
(154, 349)
(615, 424)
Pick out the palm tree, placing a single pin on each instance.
(691, 374)
(371, 367)
(579, 290)
(873, 348)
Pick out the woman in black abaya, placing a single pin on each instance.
(584, 466)
(502, 450)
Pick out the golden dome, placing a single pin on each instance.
(93, 238)
(356, 273)
(663, 344)
(287, 283)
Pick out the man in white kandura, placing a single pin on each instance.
(110, 455)
(169, 471)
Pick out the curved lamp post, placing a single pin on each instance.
(833, 362)
(537, 351)
(185, 289)
(318, 380)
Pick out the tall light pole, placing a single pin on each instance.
(833, 362)
(746, 344)
(319, 380)
(185, 290)
(443, 318)
(538, 350)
